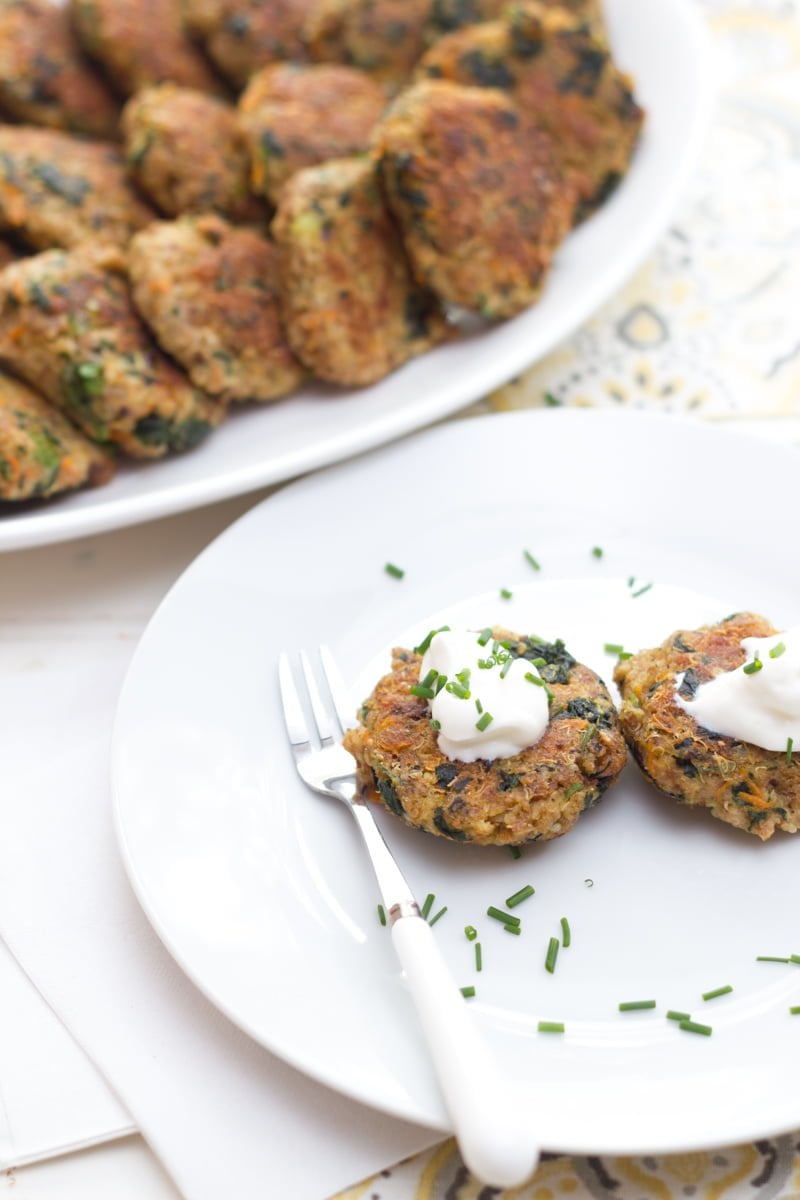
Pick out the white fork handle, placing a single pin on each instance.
(491, 1129)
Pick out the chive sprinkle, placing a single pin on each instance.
(770, 958)
(430, 678)
(531, 561)
(795, 958)
(436, 725)
(381, 914)
(518, 897)
(425, 693)
(795, 1009)
(589, 882)
(552, 401)
(752, 667)
(470, 933)
(551, 956)
(515, 851)
(507, 665)
(789, 749)
(720, 991)
(517, 929)
(484, 637)
(504, 917)
(672, 1015)
(695, 1027)
(777, 651)
(566, 934)
(458, 689)
(440, 913)
(505, 594)
(468, 992)
(428, 905)
(478, 957)
(641, 591)
(395, 572)
(635, 1005)
(550, 1027)
(597, 551)
(484, 721)
(426, 641)
(613, 648)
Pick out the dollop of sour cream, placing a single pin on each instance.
(489, 707)
(755, 704)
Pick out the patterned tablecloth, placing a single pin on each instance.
(709, 326)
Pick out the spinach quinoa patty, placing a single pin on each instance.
(45, 78)
(564, 81)
(294, 115)
(384, 37)
(41, 452)
(184, 150)
(58, 190)
(477, 193)
(351, 308)
(208, 291)
(68, 327)
(141, 42)
(240, 36)
(750, 788)
(535, 795)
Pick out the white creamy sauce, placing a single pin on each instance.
(760, 706)
(502, 713)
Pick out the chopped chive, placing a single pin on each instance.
(470, 932)
(531, 560)
(484, 637)
(478, 957)
(486, 664)
(566, 934)
(425, 693)
(789, 749)
(770, 958)
(395, 572)
(695, 1027)
(428, 905)
(479, 707)
(589, 732)
(752, 667)
(505, 594)
(537, 679)
(552, 401)
(589, 882)
(504, 917)
(440, 913)
(550, 1027)
(672, 1015)
(641, 591)
(597, 551)
(518, 897)
(625, 655)
(458, 689)
(795, 958)
(436, 725)
(468, 992)
(507, 665)
(513, 929)
(430, 678)
(573, 788)
(720, 991)
(515, 851)
(381, 914)
(795, 1009)
(635, 1005)
(484, 722)
(463, 677)
(778, 650)
(551, 956)
(426, 641)
(613, 648)
(631, 580)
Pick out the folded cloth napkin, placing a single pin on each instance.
(226, 1117)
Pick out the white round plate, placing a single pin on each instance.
(260, 888)
(662, 44)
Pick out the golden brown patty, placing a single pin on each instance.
(184, 150)
(351, 308)
(564, 81)
(44, 77)
(532, 796)
(384, 37)
(41, 453)
(295, 116)
(67, 326)
(753, 789)
(240, 36)
(477, 194)
(208, 291)
(57, 190)
(446, 15)
(141, 42)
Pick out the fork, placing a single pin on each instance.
(490, 1127)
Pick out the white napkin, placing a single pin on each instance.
(225, 1117)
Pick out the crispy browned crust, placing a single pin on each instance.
(477, 194)
(59, 190)
(41, 453)
(141, 42)
(533, 796)
(68, 327)
(44, 77)
(208, 291)
(747, 787)
(184, 150)
(294, 116)
(241, 36)
(564, 81)
(351, 307)
(384, 37)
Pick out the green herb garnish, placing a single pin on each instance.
(552, 955)
(635, 1005)
(531, 561)
(566, 935)
(694, 1027)
(518, 897)
(550, 1027)
(504, 917)
(394, 571)
(720, 991)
